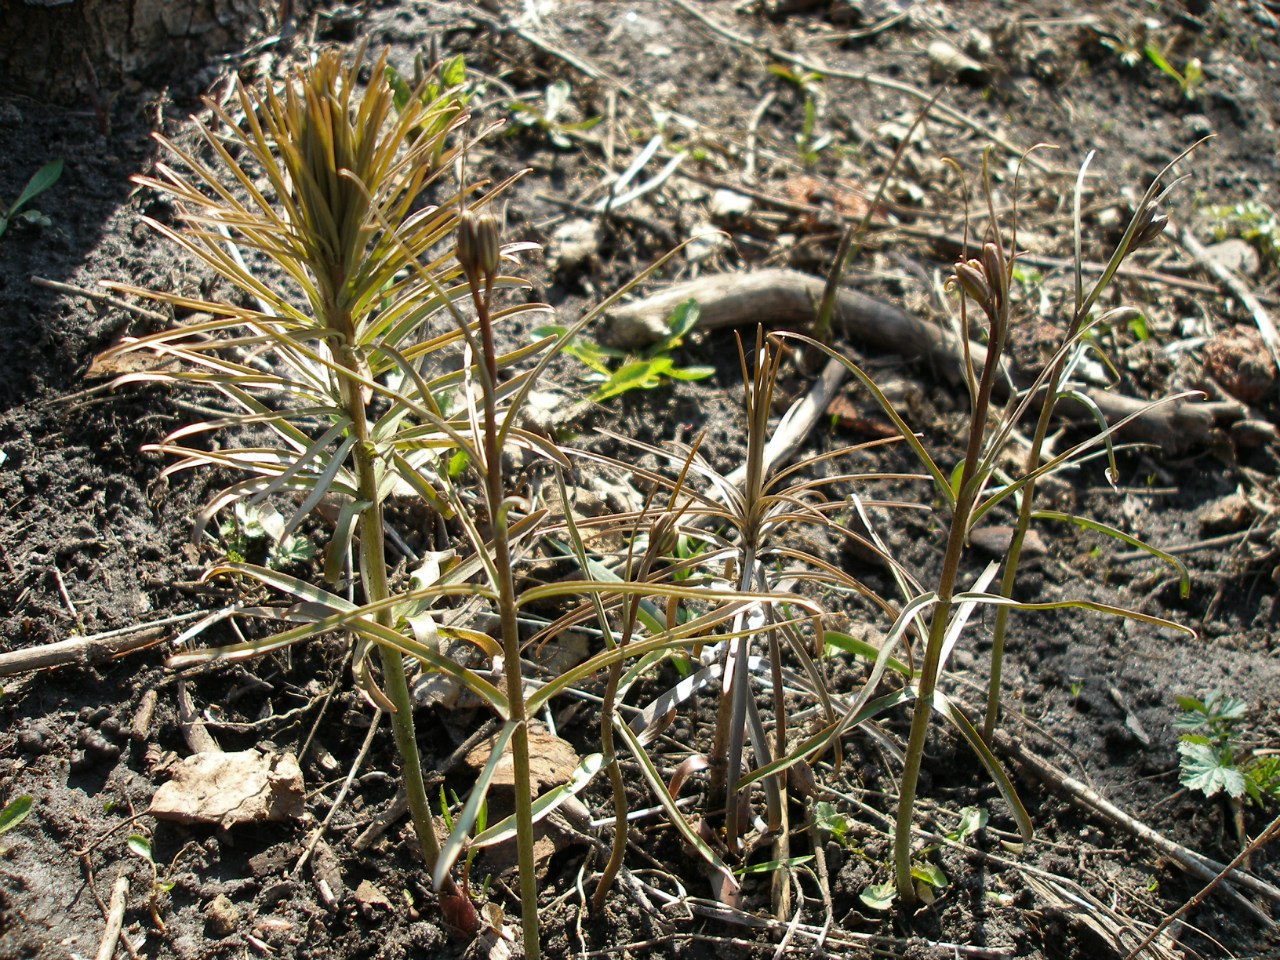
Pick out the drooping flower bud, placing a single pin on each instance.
(1150, 226)
(478, 245)
(973, 281)
(993, 265)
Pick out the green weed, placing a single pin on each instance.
(1211, 758)
(617, 372)
(40, 181)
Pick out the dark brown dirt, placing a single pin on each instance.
(91, 540)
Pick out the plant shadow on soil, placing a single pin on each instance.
(85, 516)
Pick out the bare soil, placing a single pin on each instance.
(92, 540)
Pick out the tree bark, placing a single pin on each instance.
(82, 53)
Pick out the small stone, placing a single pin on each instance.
(1239, 256)
(573, 244)
(1197, 124)
(946, 60)
(1226, 514)
(729, 205)
(1238, 360)
(371, 901)
(705, 240)
(996, 539)
(221, 917)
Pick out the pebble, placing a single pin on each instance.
(729, 205)
(1225, 514)
(221, 916)
(1236, 255)
(573, 244)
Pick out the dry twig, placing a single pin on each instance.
(788, 297)
(115, 918)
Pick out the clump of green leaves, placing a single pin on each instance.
(619, 372)
(258, 534)
(445, 82)
(929, 880)
(40, 181)
(550, 115)
(1252, 221)
(1212, 759)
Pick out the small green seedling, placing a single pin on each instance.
(549, 116)
(651, 368)
(256, 533)
(972, 820)
(1211, 753)
(14, 812)
(808, 147)
(832, 822)
(140, 847)
(1190, 79)
(429, 88)
(929, 879)
(40, 181)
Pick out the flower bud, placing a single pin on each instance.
(993, 267)
(973, 281)
(477, 241)
(1150, 226)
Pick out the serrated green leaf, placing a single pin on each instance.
(1208, 770)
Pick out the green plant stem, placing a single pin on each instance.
(970, 484)
(924, 708)
(620, 827)
(507, 611)
(1009, 575)
(373, 566)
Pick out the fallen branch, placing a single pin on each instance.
(1263, 838)
(88, 650)
(115, 918)
(1188, 860)
(790, 298)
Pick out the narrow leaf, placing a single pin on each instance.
(581, 776)
(14, 812)
(466, 819)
